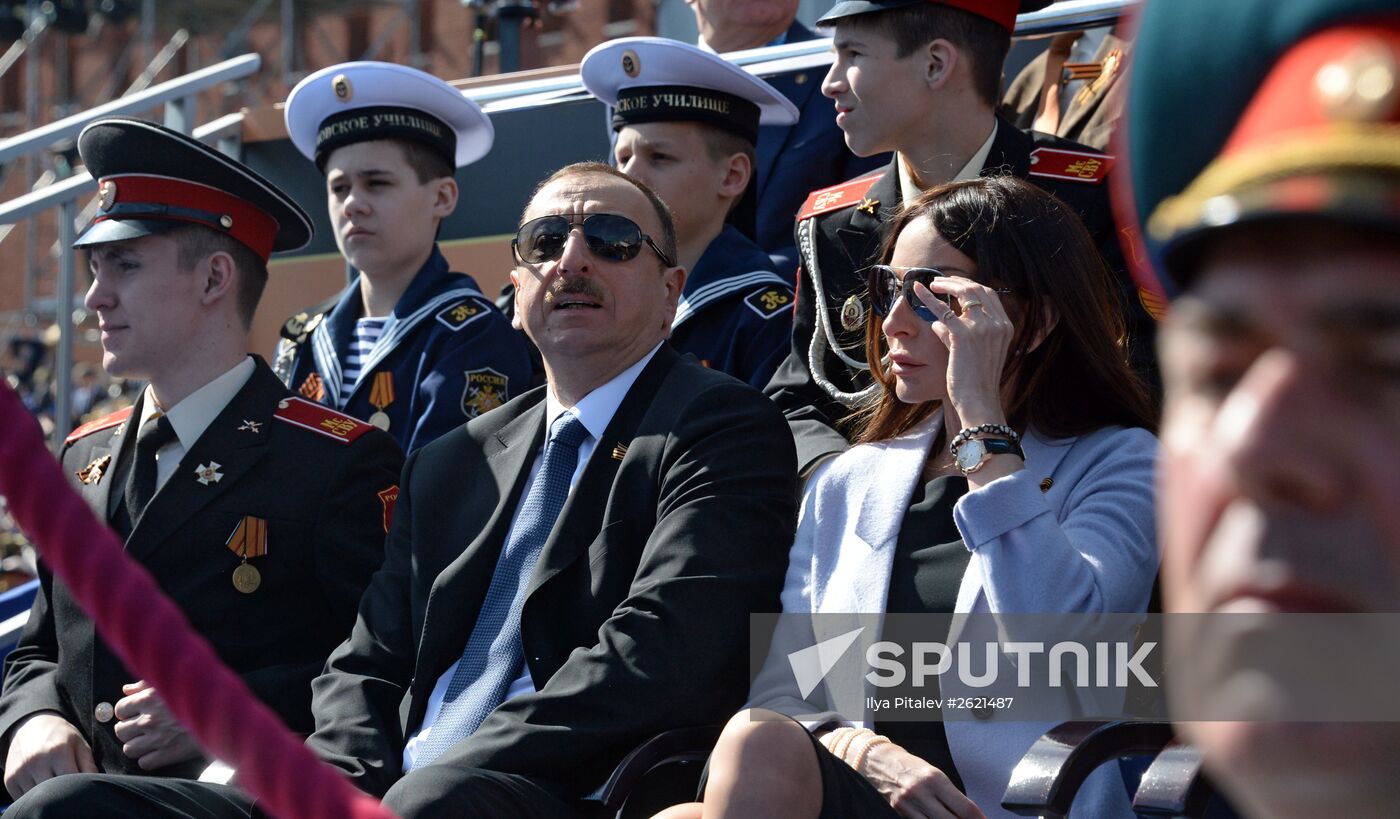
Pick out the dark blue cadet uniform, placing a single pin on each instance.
(735, 313)
(448, 353)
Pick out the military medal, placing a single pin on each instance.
(381, 395)
(92, 473)
(249, 539)
(208, 473)
(313, 387)
(852, 314)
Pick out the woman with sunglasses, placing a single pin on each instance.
(1004, 466)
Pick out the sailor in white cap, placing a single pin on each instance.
(408, 345)
(686, 123)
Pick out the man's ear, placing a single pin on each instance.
(515, 320)
(220, 276)
(445, 197)
(673, 282)
(941, 60)
(737, 172)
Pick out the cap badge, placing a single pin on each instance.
(344, 91)
(107, 194)
(226, 221)
(631, 66)
(1362, 85)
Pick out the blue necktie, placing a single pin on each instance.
(493, 656)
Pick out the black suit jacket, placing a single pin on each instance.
(636, 618)
(844, 242)
(325, 536)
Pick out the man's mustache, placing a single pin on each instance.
(572, 287)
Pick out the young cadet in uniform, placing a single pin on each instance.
(921, 78)
(686, 122)
(1274, 222)
(409, 345)
(262, 515)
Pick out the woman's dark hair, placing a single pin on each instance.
(1026, 240)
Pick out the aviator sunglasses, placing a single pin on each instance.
(610, 237)
(886, 286)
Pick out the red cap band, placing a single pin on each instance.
(1320, 82)
(1001, 12)
(176, 200)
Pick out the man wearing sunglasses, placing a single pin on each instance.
(619, 525)
(686, 123)
(921, 78)
(408, 345)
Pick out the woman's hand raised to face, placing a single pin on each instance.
(978, 341)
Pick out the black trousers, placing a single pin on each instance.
(427, 793)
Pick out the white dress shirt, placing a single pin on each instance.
(908, 191)
(595, 410)
(193, 415)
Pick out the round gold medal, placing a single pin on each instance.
(246, 578)
(380, 419)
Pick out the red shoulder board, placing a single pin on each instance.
(837, 197)
(1076, 166)
(320, 419)
(118, 417)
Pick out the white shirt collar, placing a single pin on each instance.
(198, 410)
(597, 408)
(908, 191)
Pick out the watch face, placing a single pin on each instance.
(970, 454)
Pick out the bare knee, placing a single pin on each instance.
(759, 746)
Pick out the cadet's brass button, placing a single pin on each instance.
(103, 712)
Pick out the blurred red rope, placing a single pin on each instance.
(155, 640)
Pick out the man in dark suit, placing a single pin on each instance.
(568, 574)
(922, 78)
(261, 515)
(790, 159)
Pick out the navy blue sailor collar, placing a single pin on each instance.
(432, 290)
(730, 264)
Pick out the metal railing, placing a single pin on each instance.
(1065, 15)
(177, 96)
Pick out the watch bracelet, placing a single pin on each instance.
(981, 430)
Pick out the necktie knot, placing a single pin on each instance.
(567, 430)
(141, 482)
(155, 433)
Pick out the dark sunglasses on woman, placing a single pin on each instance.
(886, 284)
(610, 237)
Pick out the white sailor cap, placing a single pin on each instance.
(360, 101)
(653, 79)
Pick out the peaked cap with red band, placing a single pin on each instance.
(152, 179)
(1303, 123)
(1001, 12)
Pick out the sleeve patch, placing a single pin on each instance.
(486, 389)
(1075, 166)
(388, 497)
(456, 316)
(768, 302)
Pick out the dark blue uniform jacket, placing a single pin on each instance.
(735, 313)
(449, 351)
